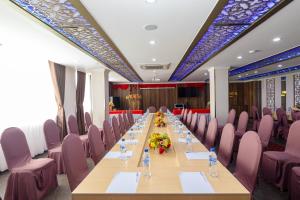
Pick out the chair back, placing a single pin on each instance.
(74, 160)
(72, 124)
(243, 122)
(116, 128)
(121, 124)
(15, 147)
(255, 114)
(194, 122)
(130, 117)
(226, 144)
(267, 111)
(231, 116)
(211, 133)
(97, 148)
(189, 118)
(292, 144)
(248, 159)
(163, 109)
(88, 120)
(152, 109)
(265, 130)
(185, 116)
(201, 128)
(52, 134)
(126, 122)
(279, 113)
(182, 113)
(110, 139)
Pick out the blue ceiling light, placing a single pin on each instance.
(235, 18)
(286, 55)
(272, 73)
(64, 18)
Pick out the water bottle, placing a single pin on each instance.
(146, 163)
(131, 134)
(188, 140)
(213, 163)
(123, 149)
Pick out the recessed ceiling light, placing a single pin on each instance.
(254, 51)
(150, 27)
(247, 74)
(279, 65)
(205, 74)
(152, 42)
(255, 72)
(239, 76)
(239, 57)
(276, 39)
(150, 1)
(153, 59)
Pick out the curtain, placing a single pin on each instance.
(58, 78)
(79, 101)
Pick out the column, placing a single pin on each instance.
(219, 99)
(263, 94)
(289, 92)
(100, 99)
(278, 92)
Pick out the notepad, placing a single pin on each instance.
(197, 155)
(117, 154)
(195, 182)
(183, 140)
(130, 141)
(124, 182)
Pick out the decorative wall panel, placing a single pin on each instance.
(270, 93)
(236, 18)
(64, 18)
(296, 89)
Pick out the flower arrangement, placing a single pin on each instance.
(111, 105)
(159, 114)
(160, 141)
(133, 97)
(159, 122)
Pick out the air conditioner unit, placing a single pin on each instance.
(155, 66)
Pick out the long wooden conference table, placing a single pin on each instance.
(165, 169)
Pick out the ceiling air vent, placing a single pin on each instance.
(155, 66)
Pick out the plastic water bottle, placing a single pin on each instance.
(131, 134)
(146, 163)
(188, 139)
(123, 149)
(213, 163)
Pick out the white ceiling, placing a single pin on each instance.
(284, 24)
(178, 23)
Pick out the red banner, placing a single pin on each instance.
(159, 85)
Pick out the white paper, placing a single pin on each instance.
(124, 182)
(129, 142)
(183, 140)
(195, 182)
(197, 155)
(117, 154)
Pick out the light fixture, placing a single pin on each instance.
(205, 74)
(247, 74)
(239, 57)
(153, 59)
(279, 65)
(253, 51)
(255, 72)
(239, 76)
(276, 39)
(150, 1)
(152, 42)
(150, 27)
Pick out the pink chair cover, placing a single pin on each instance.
(163, 109)
(200, 132)
(247, 162)
(265, 130)
(211, 133)
(121, 124)
(110, 139)
(295, 115)
(73, 129)
(88, 120)
(194, 122)
(294, 185)
(97, 148)
(116, 128)
(278, 124)
(256, 118)
(51, 132)
(152, 109)
(126, 122)
(267, 111)
(74, 160)
(276, 166)
(185, 116)
(30, 179)
(130, 118)
(242, 124)
(283, 130)
(182, 113)
(189, 118)
(226, 144)
(230, 119)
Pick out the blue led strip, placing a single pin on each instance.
(64, 18)
(289, 54)
(235, 18)
(272, 73)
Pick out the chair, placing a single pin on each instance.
(265, 130)
(294, 185)
(193, 122)
(185, 116)
(248, 160)
(226, 144)
(116, 128)
(283, 130)
(189, 118)
(97, 148)
(211, 134)
(230, 119)
(256, 118)
(276, 165)
(242, 124)
(121, 124)
(110, 139)
(163, 109)
(130, 118)
(126, 122)
(267, 111)
(200, 132)
(295, 115)
(30, 178)
(51, 132)
(88, 120)
(74, 160)
(278, 123)
(181, 114)
(152, 109)
(73, 129)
